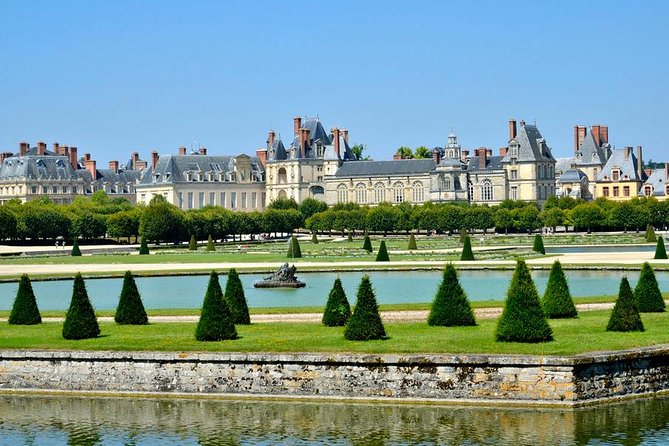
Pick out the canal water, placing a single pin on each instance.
(391, 287)
(60, 420)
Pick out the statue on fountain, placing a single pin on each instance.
(284, 277)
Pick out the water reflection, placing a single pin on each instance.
(124, 421)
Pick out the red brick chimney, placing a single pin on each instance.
(56, 149)
(297, 124)
(503, 150)
(464, 154)
(595, 134)
(639, 161)
(4, 156)
(270, 138)
(582, 131)
(89, 164)
(41, 148)
(628, 150)
(202, 151)
(481, 152)
(262, 156)
(72, 153)
(87, 156)
(335, 137)
(304, 138)
(135, 158)
(154, 159)
(23, 148)
(436, 156)
(344, 134)
(604, 134)
(113, 166)
(512, 129)
(182, 150)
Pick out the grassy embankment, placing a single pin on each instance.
(572, 336)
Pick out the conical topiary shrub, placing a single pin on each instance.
(463, 235)
(523, 318)
(660, 252)
(650, 234)
(467, 253)
(143, 248)
(294, 251)
(192, 243)
(24, 310)
(236, 300)
(350, 237)
(557, 302)
(412, 243)
(367, 244)
(365, 323)
(76, 252)
(80, 321)
(314, 238)
(647, 295)
(625, 315)
(210, 244)
(130, 309)
(382, 254)
(538, 244)
(337, 309)
(215, 322)
(451, 307)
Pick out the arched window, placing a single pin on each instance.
(379, 193)
(447, 183)
(486, 190)
(342, 193)
(282, 175)
(282, 194)
(398, 192)
(418, 192)
(360, 193)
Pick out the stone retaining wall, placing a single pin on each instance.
(493, 378)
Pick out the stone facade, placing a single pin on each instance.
(493, 378)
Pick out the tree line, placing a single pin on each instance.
(99, 216)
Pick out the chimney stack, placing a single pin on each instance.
(436, 156)
(666, 173)
(464, 154)
(512, 129)
(41, 148)
(182, 150)
(628, 150)
(397, 156)
(4, 156)
(154, 159)
(604, 134)
(72, 153)
(335, 136)
(297, 124)
(344, 134)
(639, 162)
(482, 153)
(56, 148)
(270, 140)
(202, 151)
(595, 134)
(113, 166)
(576, 144)
(503, 150)
(89, 164)
(262, 156)
(582, 131)
(23, 148)
(87, 156)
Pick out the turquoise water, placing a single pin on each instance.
(391, 287)
(40, 420)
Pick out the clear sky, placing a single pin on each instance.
(112, 77)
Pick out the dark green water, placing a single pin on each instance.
(28, 420)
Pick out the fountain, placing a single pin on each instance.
(284, 277)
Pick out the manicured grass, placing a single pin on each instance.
(572, 336)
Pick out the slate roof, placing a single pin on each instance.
(171, 168)
(658, 181)
(564, 164)
(590, 153)
(533, 147)
(492, 163)
(37, 166)
(628, 167)
(572, 176)
(380, 168)
(278, 152)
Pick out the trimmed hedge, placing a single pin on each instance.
(192, 243)
(538, 244)
(412, 243)
(467, 253)
(450, 307)
(647, 295)
(215, 322)
(660, 251)
(367, 244)
(236, 300)
(382, 254)
(80, 321)
(650, 234)
(210, 244)
(294, 251)
(365, 322)
(130, 309)
(314, 238)
(76, 252)
(557, 302)
(523, 318)
(24, 310)
(337, 309)
(625, 315)
(143, 248)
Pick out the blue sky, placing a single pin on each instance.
(113, 77)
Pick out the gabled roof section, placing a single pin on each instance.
(628, 166)
(492, 163)
(316, 131)
(37, 166)
(658, 180)
(532, 146)
(277, 152)
(172, 168)
(379, 168)
(590, 153)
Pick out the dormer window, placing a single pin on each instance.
(648, 191)
(615, 173)
(156, 177)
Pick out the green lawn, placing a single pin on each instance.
(585, 334)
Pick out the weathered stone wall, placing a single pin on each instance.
(552, 380)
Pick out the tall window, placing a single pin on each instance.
(233, 200)
(282, 176)
(471, 190)
(398, 192)
(626, 191)
(243, 200)
(222, 202)
(514, 193)
(418, 192)
(605, 191)
(615, 174)
(379, 193)
(360, 193)
(212, 198)
(342, 193)
(181, 200)
(486, 190)
(254, 200)
(514, 174)
(201, 199)
(190, 200)
(446, 183)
